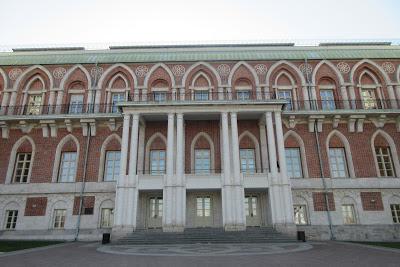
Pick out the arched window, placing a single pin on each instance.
(327, 94)
(21, 161)
(295, 154)
(339, 154)
(370, 91)
(249, 152)
(159, 89)
(66, 160)
(300, 211)
(394, 203)
(34, 95)
(106, 213)
(385, 155)
(59, 215)
(11, 213)
(349, 213)
(202, 154)
(201, 87)
(285, 88)
(156, 147)
(110, 156)
(117, 91)
(243, 89)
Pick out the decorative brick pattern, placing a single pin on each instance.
(372, 201)
(87, 205)
(320, 203)
(36, 206)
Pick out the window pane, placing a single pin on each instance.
(67, 167)
(337, 162)
(293, 162)
(76, 104)
(22, 167)
(202, 161)
(300, 215)
(247, 160)
(157, 162)
(286, 95)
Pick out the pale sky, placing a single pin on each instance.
(24, 22)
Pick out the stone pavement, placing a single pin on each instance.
(309, 254)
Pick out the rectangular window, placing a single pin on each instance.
(286, 95)
(385, 163)
(300, 214)
(337, 162)
(395, 209)
(369, 98)
(67, 167)
(107, 218)
(293, 162)
(11, 219)
(348, 213)
(59, 219)
(243, 95)
(34, 104)
(247, 160)
(76, 104)
(157, 162)
(115, 99)
(156, 207)
(327, 99)
(22, 167)
(203, 206)
(160, 96)
(201, 95)
(202, 162)
(112, 165)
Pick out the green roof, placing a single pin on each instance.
(198, 53)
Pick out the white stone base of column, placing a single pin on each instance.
(121, 231)
(288, 229)
(174, 201)
(233, 208)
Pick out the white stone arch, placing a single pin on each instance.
(31, 80)
(212, 150)
(369, 73)
(103, 154)
(201, 74)
(13, 157)
(245, 64)
(393, 150)
(57, 158)
(298, 199)
(105, 204)
(358, 64)
(11, 205)
(285, 62)
(393, 199)
(303, 154)
(288, 75)
(332, 66)
(256, 147)
(147, 149)
(26, 92)
(102, 80)
(205, 64)
(58, 203)
(153, 68)
(22, 76)
(349, 200)
(347, 148)
(69, 73)
(5, 80)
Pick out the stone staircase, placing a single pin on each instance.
(205, 235)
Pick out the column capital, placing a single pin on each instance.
(179, 116)
(171, 116)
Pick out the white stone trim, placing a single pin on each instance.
(13, 156)
(212, 150)
(198, 75)
(27, 91)
(303, 154)
(398, 75)
(382, 72)
(332, 66)
(20, 78)
(105, 204)
(205, 64)
(58, 204)
(256, 146)
(347, 148)
(147, 149)
(285, 62)
(393, 151)
(70, 71)
(251, 69)
(349, 200)
(57, 158)
(369, 73)
(103, 153)
(113, 67)
(155, 67)
(5, 80)
(298, 199)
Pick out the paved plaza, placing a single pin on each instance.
(301, 254)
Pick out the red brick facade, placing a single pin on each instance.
(371, 201)
(36, 206)
(320, 202)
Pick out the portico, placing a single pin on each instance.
(217, 194)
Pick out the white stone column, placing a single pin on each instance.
(345, 98)
(352, 94)
(180, 202)
(13, 100)
(235, 150)
(398, 92)
(51, 102)
(4, 102)
(264, 147)
(392, 97)
(60, 96)
(170, 144)
(227, 216)
(120, 196)
(306, 98)
(140, 160)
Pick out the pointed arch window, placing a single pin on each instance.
(385, 161)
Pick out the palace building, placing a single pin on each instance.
(298, 138)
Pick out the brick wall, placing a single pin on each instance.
(87, 205)
(35, 206)
(371, 201)
(320, 203)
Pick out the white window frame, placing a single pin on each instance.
(76, 105)
(200, 161)
(289, 162)
(349, 214)
(13, 216)
(334, 161)
(244, 158)
(160, 168)
(71, 171)
(116, 161)
(26, 166)
(106, 217)
(114, 101)
(284, 91)
(380, 158)
(327, 101)
(59, 216)
(34, 107)
(200, 93)
(302, 209)
(395, 211)
(202, 210)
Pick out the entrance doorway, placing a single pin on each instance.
(155, 212)
(204, 215)
(252, 210)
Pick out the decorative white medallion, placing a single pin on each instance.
(388, 67)
(261, 69)
(141, 71)
(59, 72)
(96, 71)
(223, 69)
(178, 70)
(343, 67)
(305, 68)
(14, 74)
